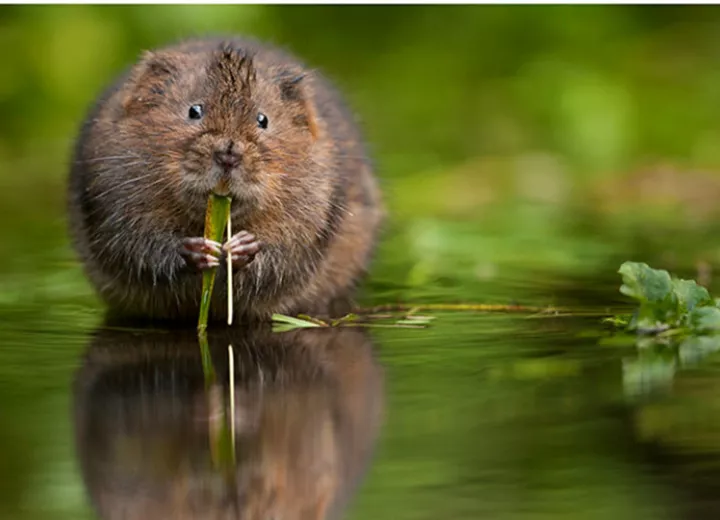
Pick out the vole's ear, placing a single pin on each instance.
(291, 87)
(148, 82)
(296, 92)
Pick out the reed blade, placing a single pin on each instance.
(216, 218)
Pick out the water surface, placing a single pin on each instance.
(482, 415)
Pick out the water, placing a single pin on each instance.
(500, 416)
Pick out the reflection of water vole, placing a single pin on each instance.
(189, 117)
(307, 415)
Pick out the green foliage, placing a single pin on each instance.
(666, 302)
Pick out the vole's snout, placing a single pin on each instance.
(228, 155)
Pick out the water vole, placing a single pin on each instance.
(234, 112)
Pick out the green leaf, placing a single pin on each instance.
(283, 323)
(667, 303)
(319, 322)
(643, 283)
(617, 321)
(705, 319)
(689, 295)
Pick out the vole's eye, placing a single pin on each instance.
(195, 112)
(262, 121)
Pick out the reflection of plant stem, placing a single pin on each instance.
(208, 370)
(215, 415)
(221, 424)
(231, 361)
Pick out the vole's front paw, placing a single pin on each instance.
(243, 247)
(200, 252)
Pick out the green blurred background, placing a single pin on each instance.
(601, 88)
(497, 130)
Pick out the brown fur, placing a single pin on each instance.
(142, 173)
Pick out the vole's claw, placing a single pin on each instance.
(202, 245)
(201, 260)
(243, 247)
(242, 237)
(201, 252)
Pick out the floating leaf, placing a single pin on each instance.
(314, 320)
(348, 318)
(617, 321)
(282, 323)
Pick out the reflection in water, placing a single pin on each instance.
(307, 412)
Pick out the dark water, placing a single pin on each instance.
(500, 416)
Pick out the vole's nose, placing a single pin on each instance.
(228, 157)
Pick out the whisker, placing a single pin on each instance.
(132, 194)
(108, 158)
(123, 184)
(114, 168)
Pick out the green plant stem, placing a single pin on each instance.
(477, 307)
(216, 218)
